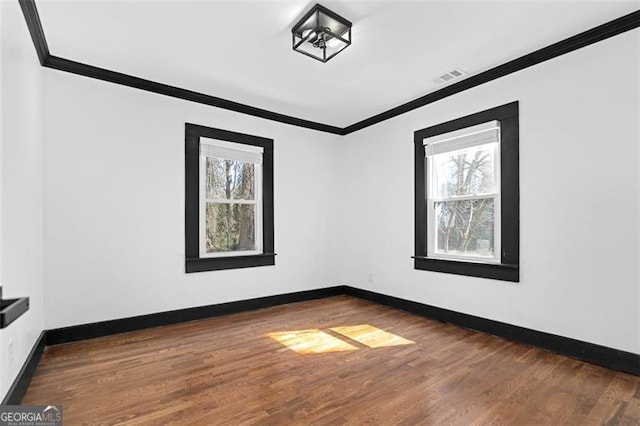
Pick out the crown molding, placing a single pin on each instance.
(602, 32)
(34, 25)
(48, 60)
(586, 38)
(78, 68)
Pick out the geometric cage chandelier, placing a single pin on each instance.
(321, 34)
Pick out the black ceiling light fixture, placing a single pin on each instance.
(321, 34)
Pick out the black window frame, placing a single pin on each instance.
(509, 267)
(193, 261)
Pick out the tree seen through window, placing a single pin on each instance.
(464, 202)
(231, 205)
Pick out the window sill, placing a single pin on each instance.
(203, 264)
(494, 271)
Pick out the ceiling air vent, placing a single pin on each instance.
(451, 75)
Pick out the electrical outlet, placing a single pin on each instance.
(10, 352)
(370, 279)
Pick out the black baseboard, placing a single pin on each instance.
(601, 355)
(607, 357)
(21, 383)
(122, 325)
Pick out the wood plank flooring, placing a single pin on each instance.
(333, 361)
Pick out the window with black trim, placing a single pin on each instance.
(229, 200)
(467, 206)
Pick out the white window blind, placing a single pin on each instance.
(468, 137)
(231, 151)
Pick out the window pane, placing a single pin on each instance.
(464, 172)
(227, 179)
(465, 227)
(230, 227)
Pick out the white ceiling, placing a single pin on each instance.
(241, 50)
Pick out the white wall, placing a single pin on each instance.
(21, 230)
(579, 188)
(114, 205)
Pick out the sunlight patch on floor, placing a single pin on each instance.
(371, 336)
(316, 341)
(311, 342)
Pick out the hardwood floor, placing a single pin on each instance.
(333, 361)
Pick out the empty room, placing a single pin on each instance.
(346, 212)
